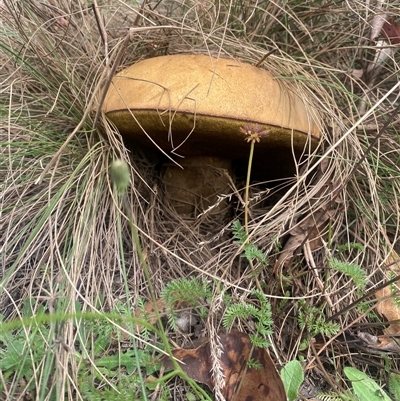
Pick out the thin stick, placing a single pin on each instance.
(265, 57)
(246, 196)
(102, 30)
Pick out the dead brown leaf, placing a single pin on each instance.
(391, 30)
(186, 318)
(388, 308)
(307, 234)
(151, 312)
(242, 383)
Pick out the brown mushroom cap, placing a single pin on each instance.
(196, 104)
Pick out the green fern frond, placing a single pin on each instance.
(301, 318)
(239, 233)
(259, 341)
(355, 272)
(203, 312)
(238, 311)
(283, 302)
(191, 290)
(261, 315)
(253, 252)
(250, 251)
(264, 303)
(139, 301)
(330, 396)
(253, 364)
(321, 326)
(264, 328)
(350, 246)
(394, 289)
(172, 321)
(313, 319)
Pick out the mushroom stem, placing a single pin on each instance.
(196, 186)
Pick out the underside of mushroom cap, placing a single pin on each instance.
(195, 104)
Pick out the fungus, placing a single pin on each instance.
(195, 107)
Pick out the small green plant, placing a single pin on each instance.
(120, 176)
(330, 396)
(351, 246)
(355, 272)
(277, 244)
(365, 388)
(260, 314)
(283, 302)
(106, 372)
(21, 351)
(192, 292)
(312, 318)
(253, 364)
(196, 293)
(250, 251)
(292, 377)
(394, 289)
(394, 386)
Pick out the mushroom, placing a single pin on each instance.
(194, 108)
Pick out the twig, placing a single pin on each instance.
(102, 30)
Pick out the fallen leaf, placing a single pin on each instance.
(185, 318)
(312, 230)
(391, 31)
(388, 307)
(242, 383)
(379, 343)
(150, 312)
